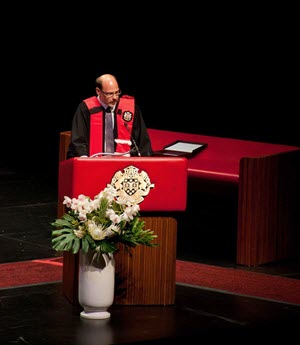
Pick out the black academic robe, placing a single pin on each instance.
(80, 133)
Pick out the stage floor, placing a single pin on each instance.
(40, 314)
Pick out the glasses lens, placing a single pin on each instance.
(111, 94)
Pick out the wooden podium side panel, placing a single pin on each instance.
(143, 276)
(70, 276)
(147, 275)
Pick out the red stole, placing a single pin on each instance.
(124, 121)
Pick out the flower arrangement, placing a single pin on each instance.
(100, 224)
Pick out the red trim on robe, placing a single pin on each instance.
(126, 104)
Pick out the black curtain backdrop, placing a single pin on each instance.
(222, 78)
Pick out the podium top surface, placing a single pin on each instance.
(160, 182)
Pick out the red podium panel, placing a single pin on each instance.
(146, 275)
(167, 177)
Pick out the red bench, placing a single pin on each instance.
(266, 176)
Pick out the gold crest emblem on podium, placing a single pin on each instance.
(132, 183)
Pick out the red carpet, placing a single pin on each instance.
(206, 276)
(239, 282)
(31, 272)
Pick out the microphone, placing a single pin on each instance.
(134, 143)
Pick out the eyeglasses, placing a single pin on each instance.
(111, 94)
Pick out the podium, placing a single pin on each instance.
(144, 275)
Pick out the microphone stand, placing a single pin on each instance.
(134, 143)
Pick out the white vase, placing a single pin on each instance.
(96, 284)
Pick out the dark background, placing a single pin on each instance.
(207, 72)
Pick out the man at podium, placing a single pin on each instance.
(166, 177)
(109, 124)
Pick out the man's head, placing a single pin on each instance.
(107, 88)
